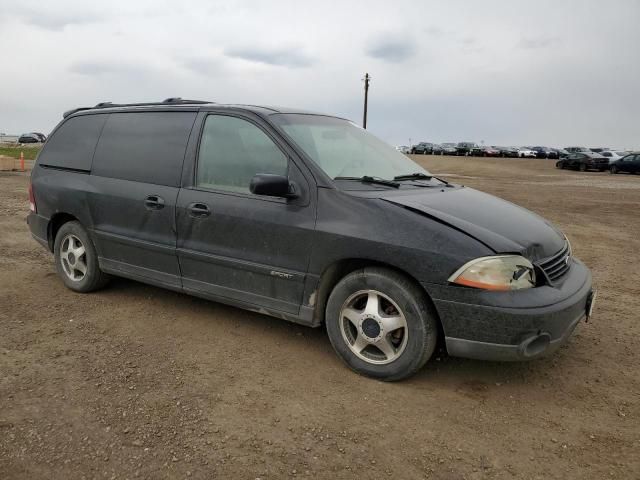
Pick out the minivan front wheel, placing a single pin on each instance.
(381, 324)
(77, 260)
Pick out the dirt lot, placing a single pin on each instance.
(135, 381)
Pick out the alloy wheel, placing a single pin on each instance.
(373, 327)
(73, 258)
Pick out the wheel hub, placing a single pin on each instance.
(371, 328)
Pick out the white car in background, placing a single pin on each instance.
(526, 152)
(613, 155)
(403, 149)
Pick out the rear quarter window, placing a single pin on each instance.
(73, 143)
(146, 147)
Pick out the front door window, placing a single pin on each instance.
(233, 151)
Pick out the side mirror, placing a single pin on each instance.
(272, 186)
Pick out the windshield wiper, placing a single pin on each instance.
(446, 184)
(369, 179)
(413, 176)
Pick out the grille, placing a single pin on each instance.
(556, 266)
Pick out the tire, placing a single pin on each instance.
(613, 169)
(560, 165)
(74, 252)
(582, 167)
(409, 316)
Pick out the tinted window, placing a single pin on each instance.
(232, 151)
(629, 158)
(73, 143)
(145, 147)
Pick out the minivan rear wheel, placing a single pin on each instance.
(381, 324)
(76, 259)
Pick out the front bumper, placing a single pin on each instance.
(516, 325)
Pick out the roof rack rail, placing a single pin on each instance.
(74, 110)
(166, 101)
(180, 100)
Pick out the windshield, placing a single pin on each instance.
(342, 149)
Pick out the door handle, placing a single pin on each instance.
(199, 210)
(154, 202)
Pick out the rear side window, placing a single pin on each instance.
(232, 151)
(144, 147)
(73, 143)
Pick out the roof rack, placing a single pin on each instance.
(166, 101)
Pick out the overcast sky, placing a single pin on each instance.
(552, 73)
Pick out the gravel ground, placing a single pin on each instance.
(139, 382)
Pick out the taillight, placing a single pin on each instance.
(32, 199)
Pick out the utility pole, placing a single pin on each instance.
(366, 99)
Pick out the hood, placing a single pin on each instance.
(502, 226)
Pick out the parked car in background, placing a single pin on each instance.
(437, 149)
(423, 148)
(599, 149)
(485, 151)
(561, 152)
(511, 152)
(234, 204)
(491, 151)
(552, 153)
(403, 149)
(448, 148)
(576, 149)
(465, 148)
(41, 136)
(629, 163)
(29, 138)
(527, 152)
(545, 152)
(584, 161)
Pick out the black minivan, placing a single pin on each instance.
(308, 218)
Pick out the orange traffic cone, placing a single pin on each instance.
(22, 161)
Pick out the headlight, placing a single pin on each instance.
(502, 272)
